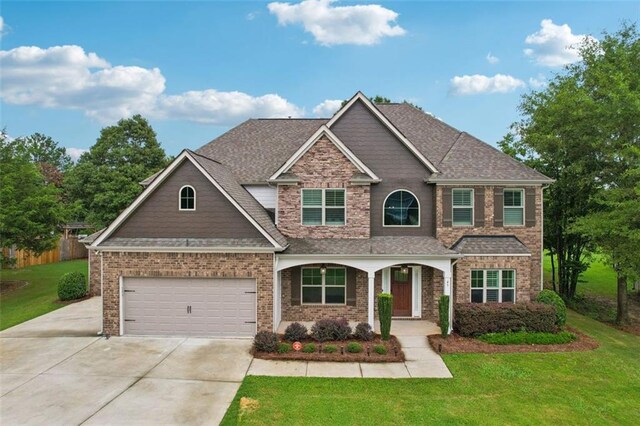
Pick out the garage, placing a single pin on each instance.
(204, 307)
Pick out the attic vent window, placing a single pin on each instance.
(187, 198)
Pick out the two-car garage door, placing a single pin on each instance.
(189, 307)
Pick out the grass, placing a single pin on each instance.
(595, 387)
(39, 296)
(528, 338)
(599, 280)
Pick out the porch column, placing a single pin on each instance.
(448, 291)
(370, 298)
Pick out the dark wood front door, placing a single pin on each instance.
(401, 291)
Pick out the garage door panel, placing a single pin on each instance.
(219, 307)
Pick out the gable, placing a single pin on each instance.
(158, 215)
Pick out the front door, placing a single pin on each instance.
(401, 291)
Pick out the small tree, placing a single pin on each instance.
(385, 309)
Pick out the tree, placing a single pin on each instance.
(42, 150)
(30, 208)
(106, 179)
(377, 99)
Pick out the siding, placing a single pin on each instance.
(266, 195)
(398, 168)
(215, 217)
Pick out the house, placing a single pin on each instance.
(301, 219)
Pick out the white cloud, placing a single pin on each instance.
(67, 77)
(554, 45)
(75, 153)
(251, 16)
(538, 82)
(4, 28)
(492, 59)
(331, 25)
(327, 108)
(478, 84)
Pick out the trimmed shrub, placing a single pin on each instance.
(385, 308)
(329, 349)
(475, 319)
(380, 349)
(527, 338)
(550, 297)
(354, 347)
(295, 332)
(443, 310)
(265, 341)
(309, 348)
(283, 348)
(325, 330)
(72, 285)
(364, 332)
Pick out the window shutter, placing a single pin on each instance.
(446, 206)
(498, 205)
(295, 286)
(530, 207)
(351, 287)
(478, 206)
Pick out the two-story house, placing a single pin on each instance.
(302, 219)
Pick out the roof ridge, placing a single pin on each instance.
(451, 147)
(204, 156)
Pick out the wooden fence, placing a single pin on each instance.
(67, 249)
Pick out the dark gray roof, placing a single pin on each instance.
(223, 176)
(150, 179)
(374, 245)
(490, 244)
(185, 242)
(91, 238)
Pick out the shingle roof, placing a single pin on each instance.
(490, 244)
(185, 242)
(375, 245)
(92, 237)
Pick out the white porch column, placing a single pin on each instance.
(370, 298)
(448, 291)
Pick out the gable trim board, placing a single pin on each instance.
(184, 155)
(376, 112)
(324, 131)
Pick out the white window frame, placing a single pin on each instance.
(180, 199)
(472, 206)
(323, 206)
(401, 226)
(323, 286)
(499, 288)
(504, 207)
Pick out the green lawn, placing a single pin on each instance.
(37, 298)
(598, 280)
(595, 387)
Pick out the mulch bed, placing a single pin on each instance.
(9, 286)
(458, 344)
(394, 352)
(69, 302)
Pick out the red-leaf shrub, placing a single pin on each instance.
(475, 319)
(325, 330)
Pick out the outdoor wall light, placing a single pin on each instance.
(323, 269)
(404, 269)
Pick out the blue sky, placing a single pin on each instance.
(195, 69)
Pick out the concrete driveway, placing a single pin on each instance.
(55, 370)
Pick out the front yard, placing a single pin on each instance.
(595, 387)
(39, 295)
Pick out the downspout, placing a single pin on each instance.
(101, 293)
(542, 236)
(452, 284)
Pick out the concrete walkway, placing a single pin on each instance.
(421, 360)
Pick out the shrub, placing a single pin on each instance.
(443, 310)
(329, 349)
(354, 347)
(364, 332)
(527, 338)
(309, 348)
(283, 348)
(265, 341)
(385, 308)
(72, 285)
(295, 332)
(330, 329)
(550, 297)
(380, 349)
(475, 319)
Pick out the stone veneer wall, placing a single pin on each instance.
(209, 265)
(94, 273)
(324, 166)
(530, 237)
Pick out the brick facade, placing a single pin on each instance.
(209, 265)
(324, 166)
(94, 273)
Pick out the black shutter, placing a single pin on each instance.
(351, 287)
(446, 206)
(296, 284)
(478, 206)
(498, 206)
(530, 207)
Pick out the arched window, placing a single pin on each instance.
(401, 208)
(187, 198)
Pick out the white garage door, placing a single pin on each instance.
(190, 307)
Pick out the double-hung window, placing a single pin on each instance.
(323, 207)
(513, 207)
(329, 289)
(462, 206)
(493, 285)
